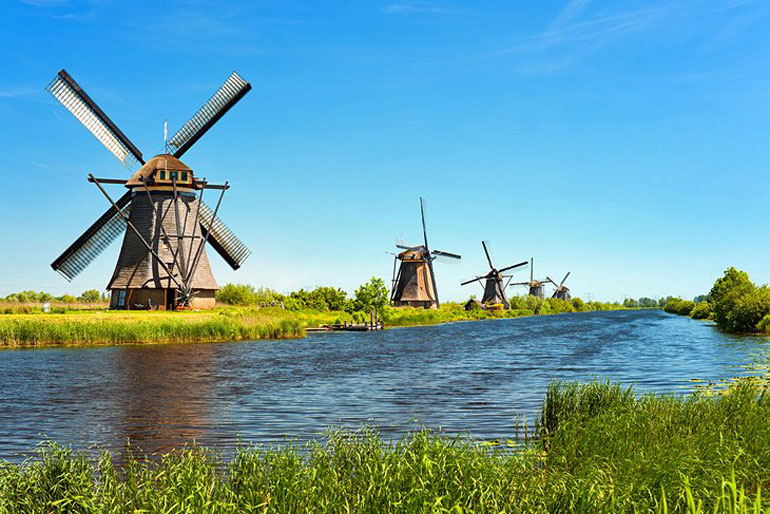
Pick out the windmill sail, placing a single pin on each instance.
(222, 239)
(93, 241)
(75, 100)
(220, 102)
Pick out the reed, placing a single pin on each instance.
(134, 327)
(603, 449)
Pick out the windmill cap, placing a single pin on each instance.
(159, 162)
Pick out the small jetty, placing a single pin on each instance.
(347, 327)
(373, 324)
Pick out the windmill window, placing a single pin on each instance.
(122, 298)
(174, 175)
(184, 176)
(163, 175)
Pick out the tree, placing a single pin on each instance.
(372, 295)
(647, 302)
(90, 296)
(726, 293)
(748, 310)
(630, 303)
(329, 298)
(235, 294)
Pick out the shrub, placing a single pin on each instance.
(726, 293)
(558, 306)
(88, 296)
(701, 311)
(679, 306)
(630, 303)
(748, 310)
(236, 294)
(647, 302)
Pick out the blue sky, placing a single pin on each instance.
(625, 141)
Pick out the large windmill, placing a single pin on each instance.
(414, 283)
(164, 222)
(536, 287)
(494, 282)
(562, 291)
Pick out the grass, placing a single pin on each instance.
(601, 448)
(131, 327)
(28, 325)
(447, 313)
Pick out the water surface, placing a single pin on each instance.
(475, 378)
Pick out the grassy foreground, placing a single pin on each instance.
(601, 449)
(74, 327)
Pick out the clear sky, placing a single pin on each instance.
(625, 141)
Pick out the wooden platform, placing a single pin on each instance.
(347, 327)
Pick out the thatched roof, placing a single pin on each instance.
(159, 162)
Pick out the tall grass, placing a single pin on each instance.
(128, 327)
(602, 449)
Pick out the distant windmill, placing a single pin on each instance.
(162, 217)
(494, 285)
(414, 283)
(562, 291)
(535, 286)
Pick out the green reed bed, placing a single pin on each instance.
(120, 327)
(602, 449)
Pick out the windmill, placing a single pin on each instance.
(414, 283)
(494, 286)
(562, 291)
(164, 222)
(535, 286)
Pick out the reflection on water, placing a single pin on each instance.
(476, 378)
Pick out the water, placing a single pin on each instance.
(475, 378)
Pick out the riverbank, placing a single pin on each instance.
(601, 448)
(104, 327)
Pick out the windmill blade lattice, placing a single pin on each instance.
(222, 239)
(93, 241)
(75, 100)
(220, 102)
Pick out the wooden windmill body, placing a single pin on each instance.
(495, 282)
(166, 224)
(562, 292)
(414, 282)
(535, 287)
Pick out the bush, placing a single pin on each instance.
(726, 293)
(88, 296)
(749, 309)
(701, 311)
(558, 306)
(578, 304)
(236, 294)
(647, 303)
(679, 306)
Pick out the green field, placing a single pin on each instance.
(601, 448)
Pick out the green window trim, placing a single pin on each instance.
(184, 176)
(162, 175)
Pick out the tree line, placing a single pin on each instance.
(87, 296)
(370, 296)
(735, 303)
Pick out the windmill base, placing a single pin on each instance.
(160, 299)
(418, 304)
